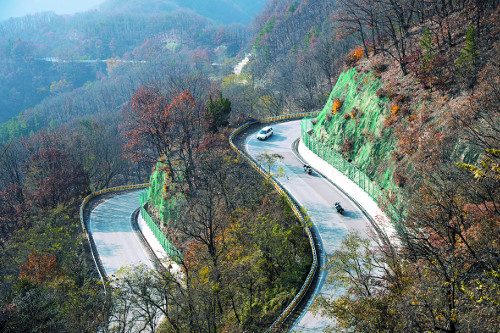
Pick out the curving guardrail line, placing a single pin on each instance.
(314, 266)
(288, 310)
(97, 261)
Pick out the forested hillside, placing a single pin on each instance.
(225, 11)
(408, 92)
(48, 59)
(71, 76)
(419, 113)
(296, 57)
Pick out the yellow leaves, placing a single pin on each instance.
(233, 79)
(112, 63)
(231, 159)
(490, 167)
(494, 273)
(216, 288)
(453, 317)
(204, 273)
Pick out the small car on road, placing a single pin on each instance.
(265, 133)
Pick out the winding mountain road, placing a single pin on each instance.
(117, 241)
(119, 244)
(317, 195)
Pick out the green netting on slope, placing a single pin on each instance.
(348, 169)
(162, 198)
(360, 137)
(155, 227)
(160, 194)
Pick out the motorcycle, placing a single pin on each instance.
(339, 208)
(307, 169)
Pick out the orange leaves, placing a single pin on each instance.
(358, 53)
(337, 105)
(39, 269)
(355, 56)
(182, 101)
(397, 112)
(395, 109)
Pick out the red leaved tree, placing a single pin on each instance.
(39, 269)
(172, 130)
(146, 121)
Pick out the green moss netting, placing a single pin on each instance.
(159, 197)
(371, 145)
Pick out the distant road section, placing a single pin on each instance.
(117, 241)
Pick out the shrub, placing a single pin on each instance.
(381, 93)
(355, 56)
(395, 109)
(337, 105)
(379, 68)
(400, 98)
(386, 92)
(354, 112)
(399, 179)
(347, 147)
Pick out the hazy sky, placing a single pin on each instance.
(18, 8)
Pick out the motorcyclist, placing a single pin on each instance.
(339, 208)
(307, 168)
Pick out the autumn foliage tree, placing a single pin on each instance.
(39, 268)
(147, 120)
(168, 127)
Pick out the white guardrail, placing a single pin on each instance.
(314, 266)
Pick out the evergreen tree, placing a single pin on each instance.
(217, 114)
(426, 43)
(467, 59)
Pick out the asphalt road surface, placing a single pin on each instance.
(318, 196)
(117, 241)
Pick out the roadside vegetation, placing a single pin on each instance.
(245, 253)
(164, 93)
(437, 138)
